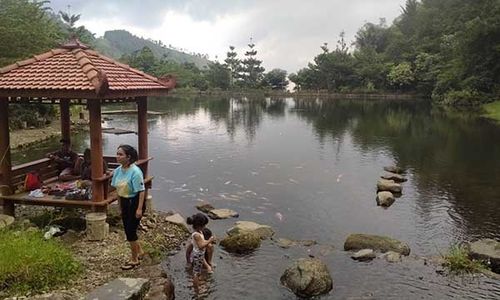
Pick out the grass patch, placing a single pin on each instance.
(492, 110)
(457, 261)
(28, 263)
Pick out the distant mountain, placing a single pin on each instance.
(116, 43)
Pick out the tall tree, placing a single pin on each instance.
(233, 64)
(276, 79)
(219, 76)
(25, 29)
(253, 72)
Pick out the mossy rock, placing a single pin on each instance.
(263, 231)
(356, 242)
(241, 243)
(307, 277)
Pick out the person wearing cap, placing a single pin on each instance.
(68, 162)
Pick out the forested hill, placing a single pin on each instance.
(116, 43)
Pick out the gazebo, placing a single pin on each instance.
(73, 74)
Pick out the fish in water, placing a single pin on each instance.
(279, 216)
(339, 177)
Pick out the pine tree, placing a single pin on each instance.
(253, 72)
(234, 65)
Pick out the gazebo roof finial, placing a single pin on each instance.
(74, 43)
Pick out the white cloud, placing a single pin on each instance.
(287, 34)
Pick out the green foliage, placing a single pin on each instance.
(234, 65)
(252, 71)
(25, 29)
(457, 261)
(31, 264)
(276, 79)
(466, 97)
(449, 49)
(32, 114)
(401, 75)
(219, 76)
(492, 110)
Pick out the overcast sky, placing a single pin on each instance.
(287, 34)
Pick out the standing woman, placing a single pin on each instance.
(129, 183)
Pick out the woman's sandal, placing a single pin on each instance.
(130, 265)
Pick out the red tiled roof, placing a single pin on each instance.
(75, 71)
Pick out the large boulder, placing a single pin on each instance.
(263, 231)
(5, 221)
(389, 185)
(394, 176)
(486, 250)
(242, 242)
(358, 241)
(222, 213)
(307, 277)
(385, 199)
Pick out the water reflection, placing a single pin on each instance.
(308, 168)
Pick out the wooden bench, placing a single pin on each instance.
(49, 174)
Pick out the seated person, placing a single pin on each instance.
(68, 162)
(207, 262)
(86, 167)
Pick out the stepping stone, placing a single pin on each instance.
(364, 255)
(389, 185)
(205, 207)
(263, 231)
(393, 169)
(394, 176)
(392, 257)
(222, 213)
(385, 199)
(121, 289)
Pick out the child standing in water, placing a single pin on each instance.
(200, 244)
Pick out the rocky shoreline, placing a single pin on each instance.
(101, 260)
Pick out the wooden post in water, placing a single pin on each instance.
(142, 130)
(65, 119)
(96, 149)
(5, 163)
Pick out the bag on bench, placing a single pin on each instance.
(32, 181)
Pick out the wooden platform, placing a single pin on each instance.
(59, 201)
(117, 131)
(130, 111)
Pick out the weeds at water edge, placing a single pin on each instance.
(457, 261)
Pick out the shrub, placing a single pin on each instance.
(465, 97)
(28, 263)
(457, 261)
(492, 110)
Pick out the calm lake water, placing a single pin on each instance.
(309, 169)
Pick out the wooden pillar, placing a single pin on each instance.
(5, 163)
(142, 130)
(65, 119)
(96, 149)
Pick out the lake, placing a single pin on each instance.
(308, 168)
